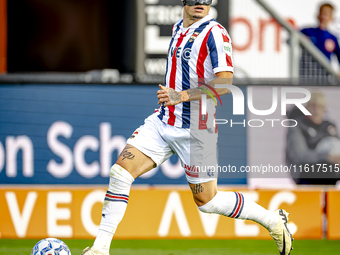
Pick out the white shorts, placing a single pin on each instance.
(195, 149)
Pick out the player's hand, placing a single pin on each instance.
(168, 96)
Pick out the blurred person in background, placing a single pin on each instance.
(326, 42)
(313, 144)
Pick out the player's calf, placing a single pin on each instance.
(114, 207)
(235, 205)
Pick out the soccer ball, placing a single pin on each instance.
(50, 246)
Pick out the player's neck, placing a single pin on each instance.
(188, 21)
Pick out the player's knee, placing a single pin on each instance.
(207, 208)
(213, 206)
(120, 179)
(200, 201)
(203, 208)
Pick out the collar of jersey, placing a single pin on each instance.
(198, 23)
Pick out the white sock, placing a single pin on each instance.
(114, 206)
(235, 205)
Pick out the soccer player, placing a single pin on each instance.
(200, 50)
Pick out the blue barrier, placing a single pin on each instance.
(70, 134)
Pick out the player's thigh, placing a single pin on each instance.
(203, 192)
(198, 154)
(146, 148)
(134, 161)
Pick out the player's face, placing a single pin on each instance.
(196, 11)
(326, 15)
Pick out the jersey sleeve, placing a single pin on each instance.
(220, 49)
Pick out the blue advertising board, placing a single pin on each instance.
(71, 134)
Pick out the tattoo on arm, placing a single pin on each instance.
(127, 154)
(174, 97)
(194, 94)
(197, 188)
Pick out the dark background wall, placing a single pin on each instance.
(70, 35)
(83, 35)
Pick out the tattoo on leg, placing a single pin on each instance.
(197, 188)
(127, 154)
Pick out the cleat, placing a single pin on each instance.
(92, 251)
(281, 234)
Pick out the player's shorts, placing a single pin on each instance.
(196, 149)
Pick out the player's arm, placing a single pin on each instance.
(169, 96)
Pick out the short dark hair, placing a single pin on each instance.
(326, 5)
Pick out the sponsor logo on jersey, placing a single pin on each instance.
(227, 48)
(185, 54)
(191, 171)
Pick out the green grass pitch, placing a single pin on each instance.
(181, 247)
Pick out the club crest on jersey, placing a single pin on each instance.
(227, 48)
(194, 36)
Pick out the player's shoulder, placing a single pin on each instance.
(219, 32)
(217, 27)
(214, 23)
(178, 23)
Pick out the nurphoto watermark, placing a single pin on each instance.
(239, 103)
